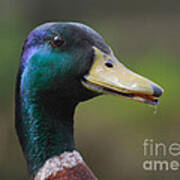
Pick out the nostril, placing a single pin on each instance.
(109, 63)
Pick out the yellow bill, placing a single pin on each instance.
(107, 75)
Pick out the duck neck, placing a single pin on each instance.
(44, 126)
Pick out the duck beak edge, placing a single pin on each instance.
(108, 76)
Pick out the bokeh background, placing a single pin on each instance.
(145, 35)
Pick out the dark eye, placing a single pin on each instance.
(57, 41)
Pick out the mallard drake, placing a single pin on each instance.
(61, 65)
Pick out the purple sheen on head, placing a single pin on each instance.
(27, 54)
(33, 41)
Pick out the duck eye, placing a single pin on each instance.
(58, 41)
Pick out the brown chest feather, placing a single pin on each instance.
(67, 166)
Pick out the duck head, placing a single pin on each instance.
(73, 61)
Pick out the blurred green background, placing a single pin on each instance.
(145, 35)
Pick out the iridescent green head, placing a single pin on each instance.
(63, 64)
(56, 58)
(71, 59)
